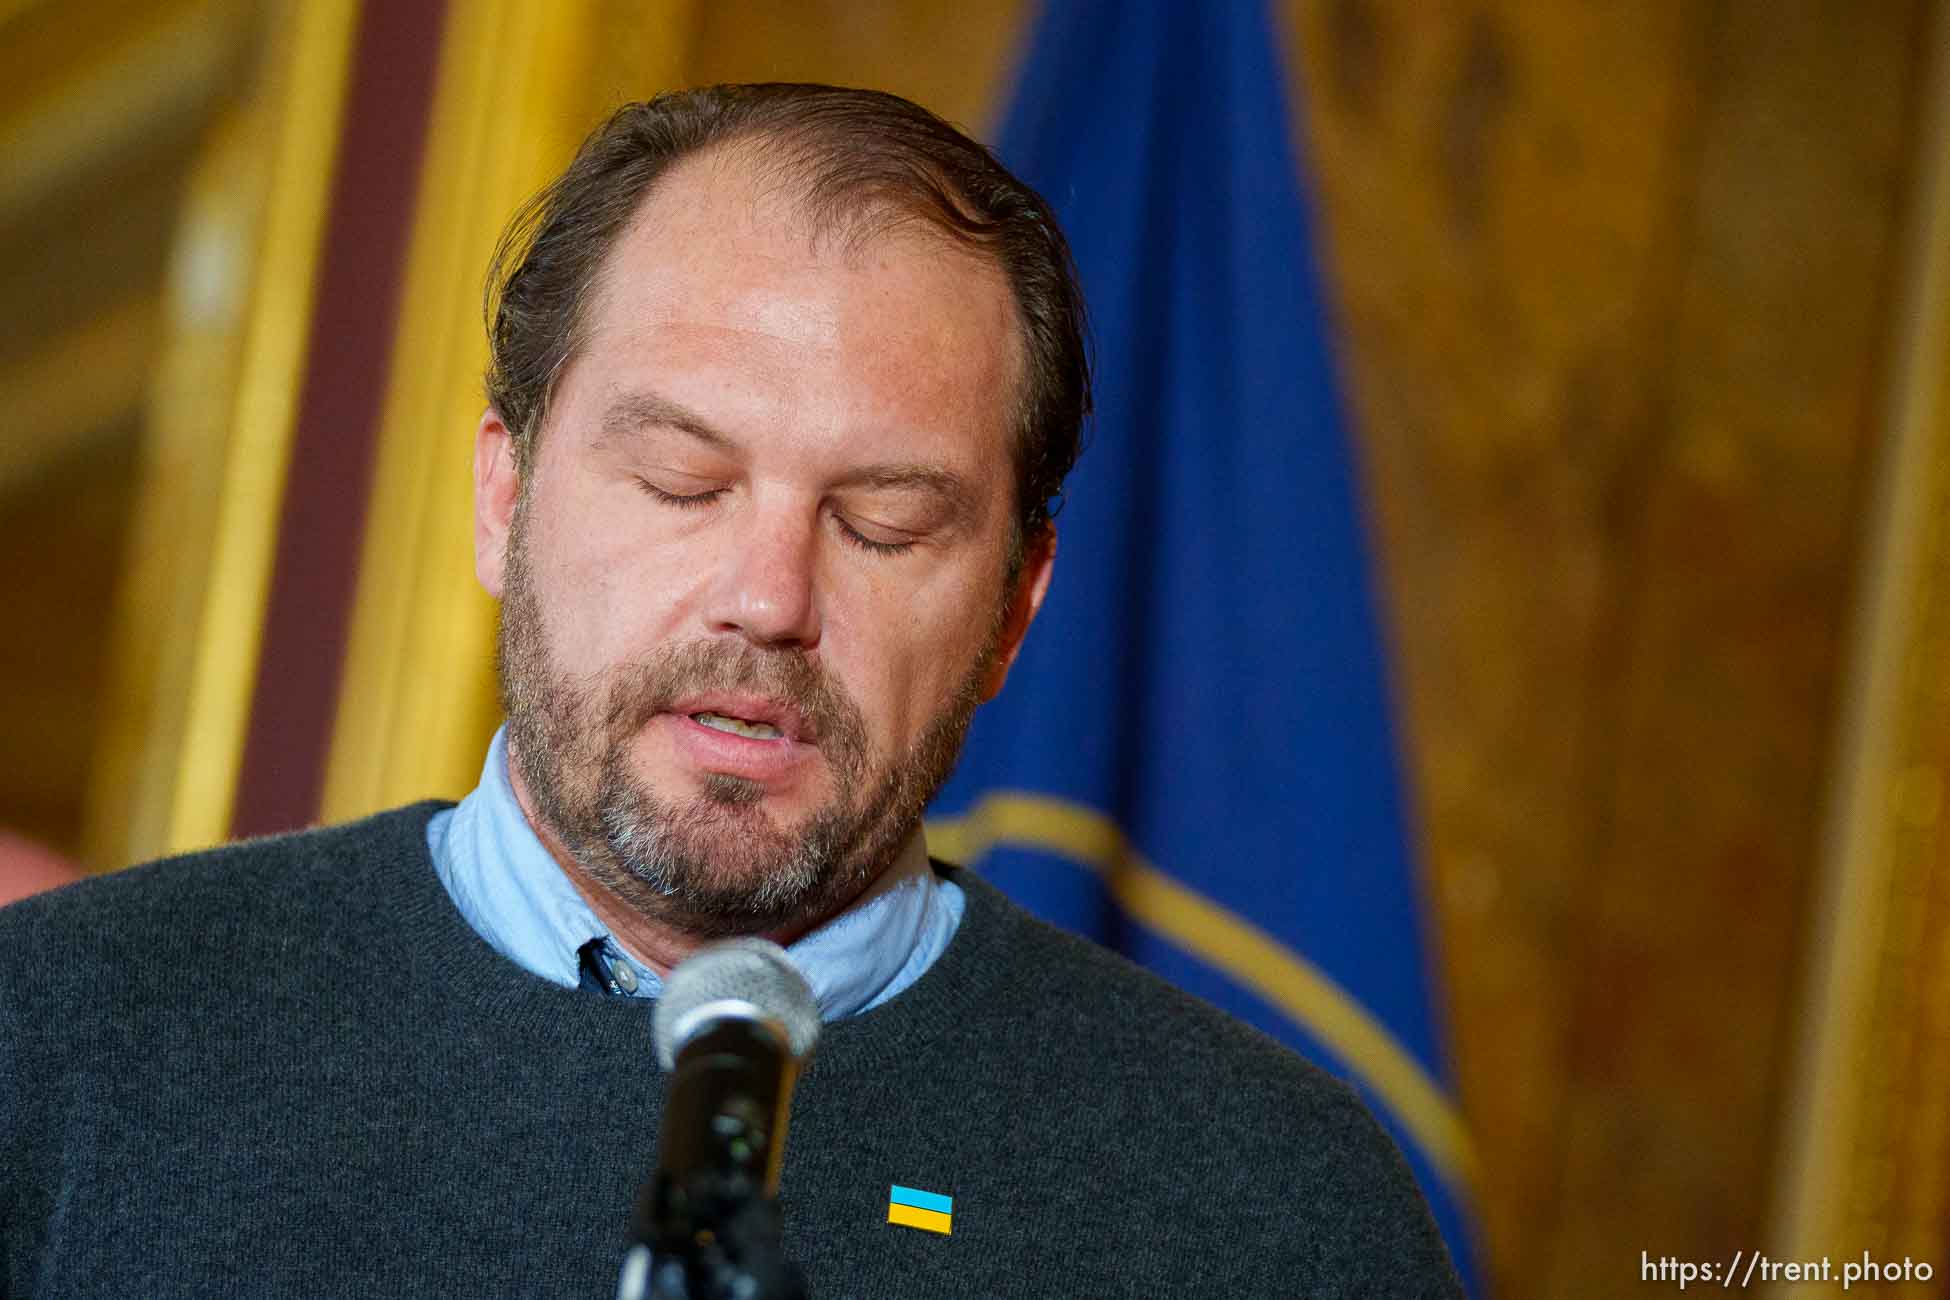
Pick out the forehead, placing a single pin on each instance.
(721, 268)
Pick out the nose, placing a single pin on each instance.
(767, 589)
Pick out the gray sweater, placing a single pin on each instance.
(289, 1067)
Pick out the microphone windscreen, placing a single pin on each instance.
(745, 978)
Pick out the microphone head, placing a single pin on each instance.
(747, 979)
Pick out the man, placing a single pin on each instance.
(28, 868)
(783, 382)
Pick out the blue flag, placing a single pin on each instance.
(1193, 760)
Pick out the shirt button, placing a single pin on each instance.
(625, 975)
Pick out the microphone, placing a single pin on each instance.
(733, 1026)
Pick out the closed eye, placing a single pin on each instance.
(699, 500)
(868, 544)
(683, 501)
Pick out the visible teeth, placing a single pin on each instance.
(739, 727)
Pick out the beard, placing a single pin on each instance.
(715, 863)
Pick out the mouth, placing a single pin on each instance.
(763, 741)
(748, 717)
(746, 727)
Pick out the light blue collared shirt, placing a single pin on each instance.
(512, 892)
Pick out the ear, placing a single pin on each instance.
(496, 485)
(1032, 584)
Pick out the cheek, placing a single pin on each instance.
(906, 650)
(609, 593)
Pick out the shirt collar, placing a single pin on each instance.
(517, 898)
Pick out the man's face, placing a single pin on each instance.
(754, 582)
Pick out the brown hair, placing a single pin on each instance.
(864, 161)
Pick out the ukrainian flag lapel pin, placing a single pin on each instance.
(912, 1208)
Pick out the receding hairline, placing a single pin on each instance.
(791, 166)
(848, 223)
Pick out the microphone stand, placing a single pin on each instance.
(707, 1226)
(741, 1257)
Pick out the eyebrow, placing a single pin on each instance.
(951, 488)
(631, 413)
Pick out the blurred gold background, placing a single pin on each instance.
(1643, 314)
